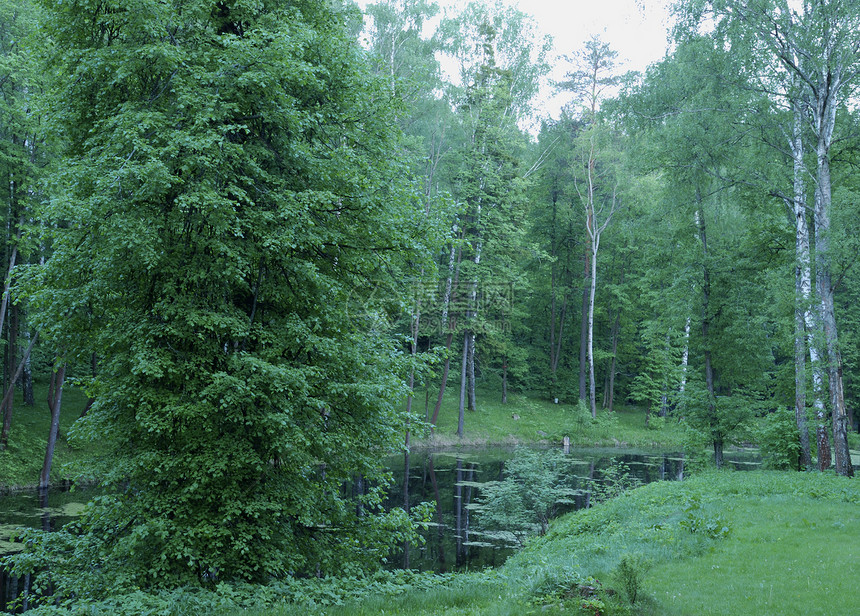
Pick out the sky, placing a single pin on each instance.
(636, 29)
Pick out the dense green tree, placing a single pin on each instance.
(23, 156)
(713, 274)
(500, 62)
(554, 270)
(227, 205)
(805, 57)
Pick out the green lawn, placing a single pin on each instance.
(788, 556)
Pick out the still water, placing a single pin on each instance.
(44, 509)
(448, 480)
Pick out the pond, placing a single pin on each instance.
(449, 480)
(45, 509)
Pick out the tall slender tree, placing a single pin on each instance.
(595, 73)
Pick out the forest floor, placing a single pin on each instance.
(721, 543)
(523, 419)
(531, 418)
(21, 463)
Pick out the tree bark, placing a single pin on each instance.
(826, 119)
(27, 378)
(802, 290)
(592, 394)
(471, 373)
(706, 324)
(5, 301)
(461, 416)
(44, 479)
(504, 380)
(685, 359)
(453, 276)
(583, 336)
(12, 348)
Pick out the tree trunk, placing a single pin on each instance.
(471, 315)
(12, 349)
(44, 479)
(505, 380)
(5, 301)
(706, 324)
(826, 291)
(718, 452)
(453, 276)
(471, 373)
(462, 409)
(592, 394)
(583, 336)
(802, 278)
(685, 357)
(609, 394)
(27, 377)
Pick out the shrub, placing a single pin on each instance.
(779, 440)
(528, 497)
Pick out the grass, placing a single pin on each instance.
(787, 557)
(21, 463)
(531, 419)
(728, 544)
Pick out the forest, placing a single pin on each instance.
(263, 240)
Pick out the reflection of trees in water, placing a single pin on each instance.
(450, 480)
(45, 509)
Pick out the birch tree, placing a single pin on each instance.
(816, 44)
(598, 190)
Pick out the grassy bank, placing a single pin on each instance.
(721, 543)
(532, 419)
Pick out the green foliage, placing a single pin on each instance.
(697, 521)
(226, 598)
(719, 422)
(778, 440)
(227, 189)
(528, 497)
(630, 573)
(569, 588)
(615, 480)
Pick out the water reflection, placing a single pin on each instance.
(449, 480)
(45, 509)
